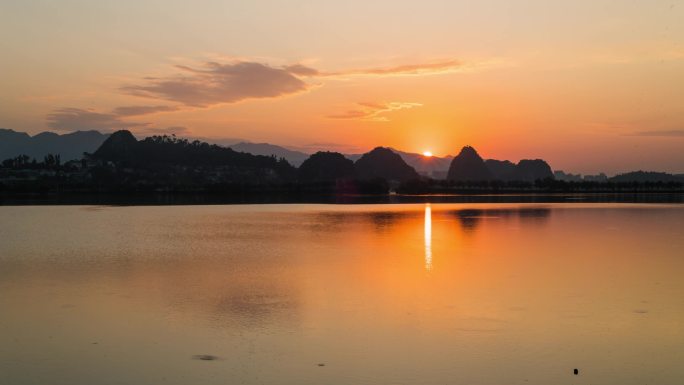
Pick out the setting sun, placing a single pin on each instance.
(427, 153)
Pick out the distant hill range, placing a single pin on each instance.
(68, 146)
(429, 166)
(296, 158)
(634, 176)
(72, 146)
(646, 176)
(381, 162)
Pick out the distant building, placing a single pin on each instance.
(562, 176)
(596, 178)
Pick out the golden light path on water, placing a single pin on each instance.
(428, 237)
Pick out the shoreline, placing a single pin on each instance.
(216, 198)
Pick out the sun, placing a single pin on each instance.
(427, 154)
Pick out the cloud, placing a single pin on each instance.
(661, 133)
(301, 70)
(218, 83)
(142, 110)
(373, 111)
(224, 83)
(88, 119)
(430, 68)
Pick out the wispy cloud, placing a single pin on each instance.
(373, 111)
(660, 133)
(142, 110)
(301, 70)
(68, 119)
(87, 119)
(414, 69)
(214, 83)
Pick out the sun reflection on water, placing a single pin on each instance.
(428, 237)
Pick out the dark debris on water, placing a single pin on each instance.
(204, 357)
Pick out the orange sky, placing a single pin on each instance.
(588, 86)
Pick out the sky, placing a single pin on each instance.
(589, 86)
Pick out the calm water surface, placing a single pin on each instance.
(324, 294)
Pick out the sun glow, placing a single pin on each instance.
(427, 154)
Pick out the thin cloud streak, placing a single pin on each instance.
(373, 111)
(66, 119)
(142, 110)
(216, 83)
(661, 133)
(433, 68)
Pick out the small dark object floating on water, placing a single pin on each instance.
(321, 364)
(576, 371)
(205, 357)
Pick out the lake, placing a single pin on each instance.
(478, 293)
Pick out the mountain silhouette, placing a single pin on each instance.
(504, 170)
(527, 170)
(72, 146)
(384, 163)
(530, 170)
(244, 157)
(69, 146)
(121, 146)
(326, 166)
(169, 154)
(468, 166)
(166, 164)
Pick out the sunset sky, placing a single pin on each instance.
(587, 85)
